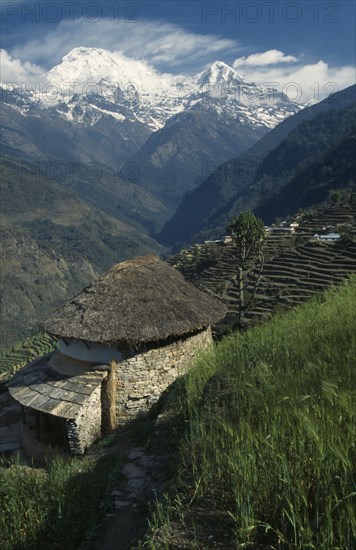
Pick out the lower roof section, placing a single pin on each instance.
(56, 385)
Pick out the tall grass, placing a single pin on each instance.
(53, 508)
(271, 435)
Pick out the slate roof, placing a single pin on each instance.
(54, 385)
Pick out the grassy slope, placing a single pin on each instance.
(264, 425)
(59, 507)
(268, 438)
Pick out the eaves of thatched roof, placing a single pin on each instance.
(137, 301)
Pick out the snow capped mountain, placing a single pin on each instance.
(90, 84)
(233, 97)
(93, 73)
(218, 72)
(108, 70)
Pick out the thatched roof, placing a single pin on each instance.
(52, 384)
(137, 301)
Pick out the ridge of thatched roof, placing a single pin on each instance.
(136, 301)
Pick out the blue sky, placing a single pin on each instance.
(311, 43)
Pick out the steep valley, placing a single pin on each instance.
(53, 243)
(294, 165)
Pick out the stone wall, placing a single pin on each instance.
(86, 428)
(141, 379)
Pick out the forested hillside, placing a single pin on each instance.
(259, 174)
(53, 243)
(315, 180)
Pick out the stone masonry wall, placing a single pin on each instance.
(86, 428)
(141, 379)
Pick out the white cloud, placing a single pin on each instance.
(164, 45)
(307, 83)
(17, 72)
(172, 49)
(270, 57)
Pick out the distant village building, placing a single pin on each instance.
(330, 237)
(122, 341)
(283, 230)
(227, 239)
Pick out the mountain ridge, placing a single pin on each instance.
(203, 212)
(100, 106)
(119, 79)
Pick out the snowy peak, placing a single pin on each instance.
(81, 52)
(119, 79)
(222, 89)
(92, 83)
(218, 73)
(95, 65)
(87, 64)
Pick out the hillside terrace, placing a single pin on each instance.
(296, 266)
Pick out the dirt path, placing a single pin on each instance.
(126, 527)
(143, 479)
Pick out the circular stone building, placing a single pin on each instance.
(121, 342)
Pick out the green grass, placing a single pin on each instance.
(270, 438)
(58, 507)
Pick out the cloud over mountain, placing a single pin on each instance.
(163, 44)
(18, 72)
(270, 57)
(308, 82)
(172, 48)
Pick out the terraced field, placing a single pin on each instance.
(334, 216)
(295, 268)
(294, 276)
(19, 355)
